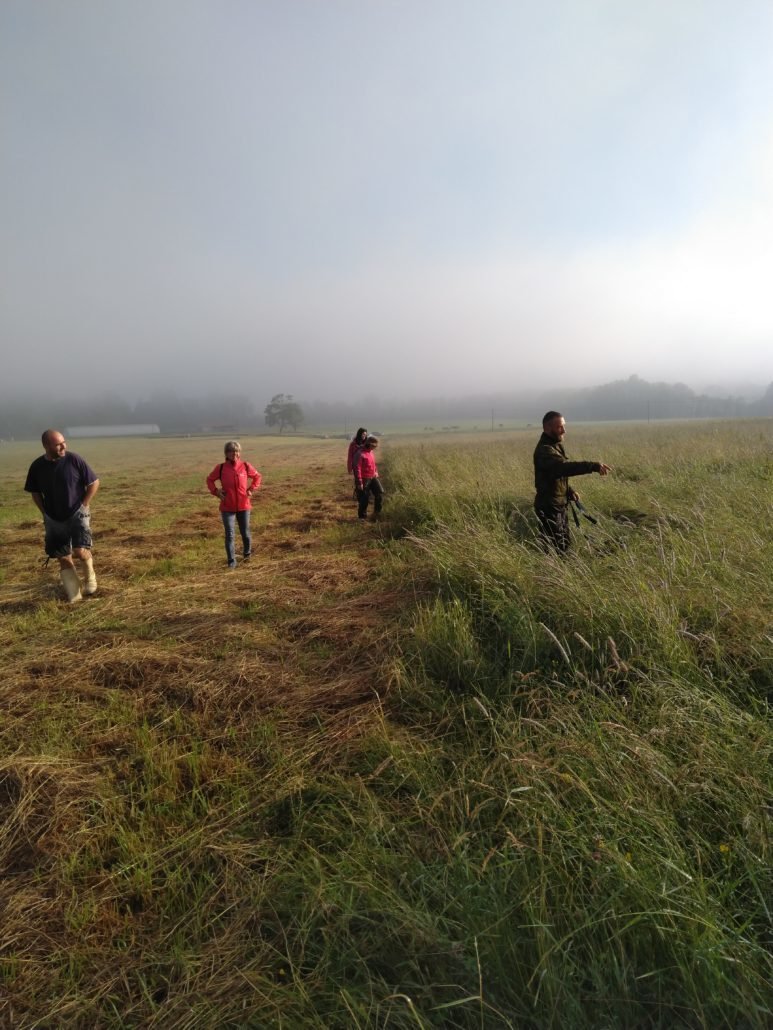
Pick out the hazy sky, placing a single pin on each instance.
(395, 197)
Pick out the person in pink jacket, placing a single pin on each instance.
(357, 441)
(366, 478)
(238, 480)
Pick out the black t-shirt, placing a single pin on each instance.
(62, 483)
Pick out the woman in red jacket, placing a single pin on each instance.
(238, 480)
(366, 478)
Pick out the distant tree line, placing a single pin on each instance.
(25, 418)
(625, 399)
(635, 398)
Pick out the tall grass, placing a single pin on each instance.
(604, 725)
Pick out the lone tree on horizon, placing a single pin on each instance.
(283, 411)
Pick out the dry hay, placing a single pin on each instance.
(296, 629)
(41, 806)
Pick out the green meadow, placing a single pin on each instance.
(412, 773)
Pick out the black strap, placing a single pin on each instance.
(584, 512)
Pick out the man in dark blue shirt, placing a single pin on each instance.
(62, 486)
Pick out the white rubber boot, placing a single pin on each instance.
(90, 586)
(71, 584)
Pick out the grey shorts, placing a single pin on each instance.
(61, 537)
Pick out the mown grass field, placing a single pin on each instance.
(413, 773)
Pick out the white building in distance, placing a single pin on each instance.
(140, 429)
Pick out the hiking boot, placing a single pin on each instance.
(71, 584)
(90, 586)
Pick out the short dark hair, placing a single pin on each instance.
(549, 416)
(46, 435)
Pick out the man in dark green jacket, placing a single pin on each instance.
(552, 470)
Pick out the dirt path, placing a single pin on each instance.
(299, 628)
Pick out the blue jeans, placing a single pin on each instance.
(243, 518)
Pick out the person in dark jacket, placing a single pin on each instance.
(552, 470)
